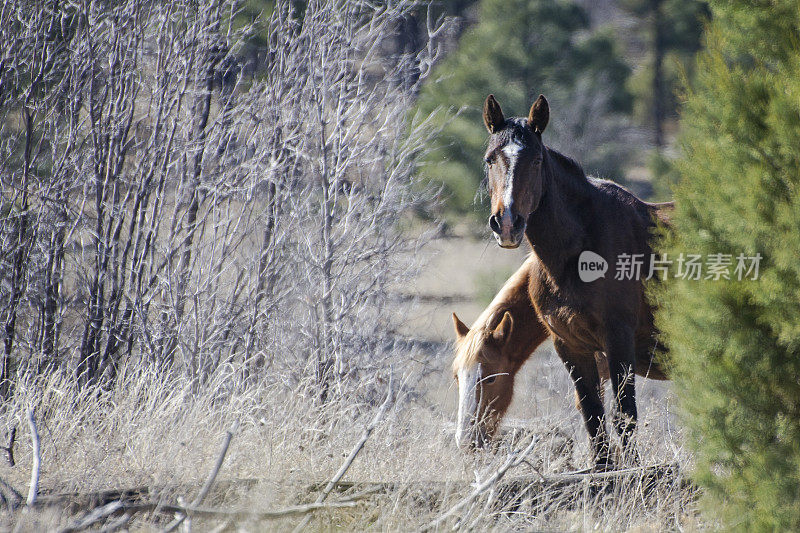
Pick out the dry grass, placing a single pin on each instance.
(162, 433)
(157, 432)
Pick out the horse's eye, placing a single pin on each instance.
(490, 380)
(488, 161)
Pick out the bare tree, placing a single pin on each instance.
(164, 204)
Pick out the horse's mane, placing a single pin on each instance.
(467, 349)
(569, 164)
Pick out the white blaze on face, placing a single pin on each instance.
(511, 150)
(467, 403)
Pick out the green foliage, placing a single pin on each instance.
(682, 21)
(735, 345)
(518, 49)
(680, 30)
(255, 13)
(665, 176)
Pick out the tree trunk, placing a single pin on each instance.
(659, 104)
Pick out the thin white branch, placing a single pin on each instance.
(211, 477)
(33, 491)
(514, 459)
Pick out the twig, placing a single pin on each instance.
(34, 488)
(514, 459)
(10, 494)
(94, 516)
(582, 475)
(209, 482)
(93, 498)
(107, 510)
(117, 524)
(353, 453)
(212, 512)
(10, 448)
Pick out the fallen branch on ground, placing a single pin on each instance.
(100, 513)
(133, 500)
(353, 453)
(91, 499)
(37, 459)
(211, 512)
(514, 459)
(93, 517)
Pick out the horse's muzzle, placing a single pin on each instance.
(512, 242)
(508, 229)
(474, 438)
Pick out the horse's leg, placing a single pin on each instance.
(583, 371)
(621, 365)
(602, 370)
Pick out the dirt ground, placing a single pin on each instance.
(462, 275)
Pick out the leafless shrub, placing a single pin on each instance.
(161, 206)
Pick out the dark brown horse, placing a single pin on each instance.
(545, 196)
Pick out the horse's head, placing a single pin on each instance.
(514, 168)
(485, 374)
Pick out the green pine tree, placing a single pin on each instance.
(518, 49)
(735, 345)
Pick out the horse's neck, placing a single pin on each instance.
(555, 230)
(528, 332)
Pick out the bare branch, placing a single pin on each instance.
(515, 458)
(34, 487)
(12, 436)
(354, 452)
(93, 517)
(210, 480)
(101, 513)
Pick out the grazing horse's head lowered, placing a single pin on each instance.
(489, 355)
(485, 375)
(514, 168)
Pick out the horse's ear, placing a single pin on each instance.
(461, 328)
(503, 330)
(539, 115)
(493, 115)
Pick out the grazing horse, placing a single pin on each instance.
(545, 196)
(489, 355)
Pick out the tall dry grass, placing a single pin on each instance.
(164, 434)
